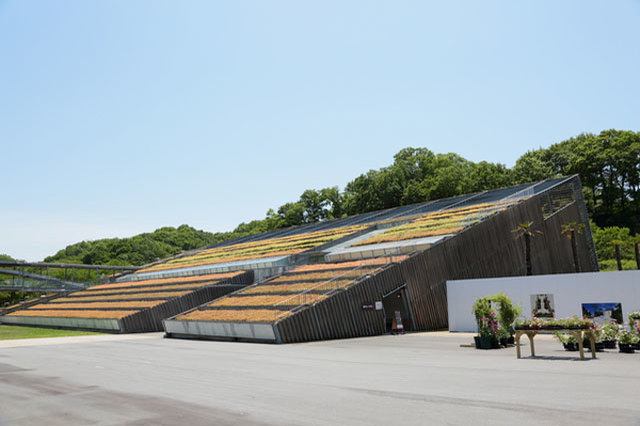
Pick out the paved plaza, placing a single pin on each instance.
(412, 379)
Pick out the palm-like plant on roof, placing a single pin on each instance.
(526, 231)
(571, 231)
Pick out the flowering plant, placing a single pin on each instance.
(610, 331)
(488, 326)
(566, 323)
(634, 322)
(627, 338)
(564, 338)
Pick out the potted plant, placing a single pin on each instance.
(627, 341)
(507, 313)
(597, 337)
(569, 341)
(609, 334)
(481, 309)
(504, 336)
(488, 332)
(634, 326)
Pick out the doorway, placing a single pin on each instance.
(397, 301)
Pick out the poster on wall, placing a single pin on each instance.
(542, 306)
(603, 312)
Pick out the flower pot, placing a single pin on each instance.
(483, 342)
(637, 346)
(586, 344)
(627, 348)
(609, 344)
(571, 346)
(504, 341)
(511, 340)
(495, 343)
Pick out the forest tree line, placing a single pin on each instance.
(608, 164)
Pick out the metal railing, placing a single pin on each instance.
(23, 284)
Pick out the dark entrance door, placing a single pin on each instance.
(396, 301)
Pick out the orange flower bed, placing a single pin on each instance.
(382, 238)
(165, 294)
(215, 261)
(208, 277)
(73, 314)
(437, 223)
(141, 289)
(297, 287)
(255, 250)
(265, 300)
(442, 213)
(237, 250)
(349, 264)
(326, 275)
(245, 315)
(310, 236)
(136, 304)
(14, 306)
(149, 288)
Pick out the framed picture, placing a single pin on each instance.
(542, 306)
(603, 312)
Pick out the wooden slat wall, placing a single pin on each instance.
(488, 249)
(151, 319)
(301, 327)
(341, 315)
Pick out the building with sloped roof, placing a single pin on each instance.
(356, 276)
(366, 274)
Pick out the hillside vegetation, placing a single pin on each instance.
(608, 165)
(136, 250)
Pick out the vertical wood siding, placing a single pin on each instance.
(151, 319)
(488, 249)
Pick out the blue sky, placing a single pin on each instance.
(121, 117)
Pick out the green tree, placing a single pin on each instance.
(605, 240)
(532, 167)
(484, 176)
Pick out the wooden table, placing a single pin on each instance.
(578, 334)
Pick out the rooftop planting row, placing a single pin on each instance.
(276, 298)
(111, 314)
(444, 222)
(257, 249)
(118, 304)
(134, 296)
(161, 281)
(245, 315)
(121, 299)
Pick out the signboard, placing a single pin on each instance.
(542, 306)
(602, 313)
(397, 321)
(368, 306)
(378, 305)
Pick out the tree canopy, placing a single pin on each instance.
(136, 250)
(608, 165)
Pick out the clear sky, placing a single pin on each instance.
(119, 117)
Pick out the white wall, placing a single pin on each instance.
(569, 292)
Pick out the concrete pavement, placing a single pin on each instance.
(414, 379)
